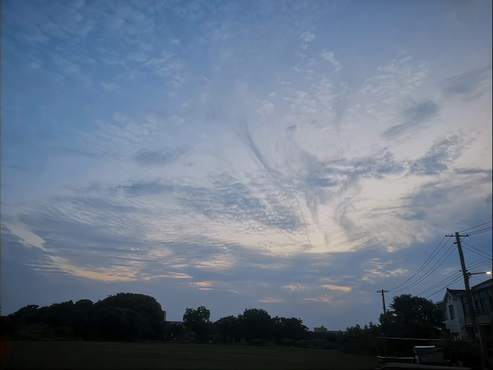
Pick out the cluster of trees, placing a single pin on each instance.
(123, 316)
(127, 316)
(253, 326)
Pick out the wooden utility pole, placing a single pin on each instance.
(383, 291)
(469, 300)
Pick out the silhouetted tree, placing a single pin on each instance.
(411, 316)
(124, 316)
(26, 314)
(146, 307)
(292, 329)
(117, 323)
(197, 321)
(256, 324)
(359, 339)
(228, 329)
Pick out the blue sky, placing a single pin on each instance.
(293, 156)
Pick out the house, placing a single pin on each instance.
(453, 312)
(457, 317)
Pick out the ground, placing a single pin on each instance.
(111, 355)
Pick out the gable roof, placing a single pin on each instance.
(483, 284)
(453, 293)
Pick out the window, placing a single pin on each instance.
(451, 312)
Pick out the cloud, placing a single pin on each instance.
(220, 262)
(474, 171)
(146, 188)
(323, 299)
(337, 288)
(376, 269)
(330, 57)
(203, 285)
(26, 236)
(227, 199)
(439, 156)
(413, 118)
(294, 287)
(306, 37)
(271, 300)
(468, 85)
(158, 157)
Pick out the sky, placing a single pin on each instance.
(286, 155)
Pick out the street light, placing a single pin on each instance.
(480, 273)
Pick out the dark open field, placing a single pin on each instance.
(110, 355)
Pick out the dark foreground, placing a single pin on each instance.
(111, 355)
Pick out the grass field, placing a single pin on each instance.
(111, 355)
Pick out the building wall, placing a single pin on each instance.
(454, 324)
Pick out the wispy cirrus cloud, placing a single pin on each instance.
(158, 157)
(439, 156)
(225, 147)
(469, 84)
(413, 118)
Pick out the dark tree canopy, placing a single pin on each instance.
(411, 316)
(257, 324)
(124, 316)
(197, 321)
(146, 308)
(288, 328)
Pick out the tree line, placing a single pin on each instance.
(136, 317)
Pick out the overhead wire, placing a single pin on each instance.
(469, 229)
(470, 248)
(450, 276)
(454, 280)
(422, 266)
(481, 231)
(435, 254)
(431, 270)
(440, 282)
(441, 289)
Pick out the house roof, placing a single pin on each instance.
(453, 292)
(483, 284)
(460, 292)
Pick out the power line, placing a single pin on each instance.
(475, 226)
(432, 269)
(441, 289)
(423, 265)
(449, 277)
(481, 231)
(440, 282)
(477, 251)
(485, 227)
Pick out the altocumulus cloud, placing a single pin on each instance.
(279, 165)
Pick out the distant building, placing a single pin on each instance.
(456, 314)
(322, 329)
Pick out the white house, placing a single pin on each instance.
(453, 308)
(456, 315)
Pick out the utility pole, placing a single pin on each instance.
(469, 300)
(383, 291)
